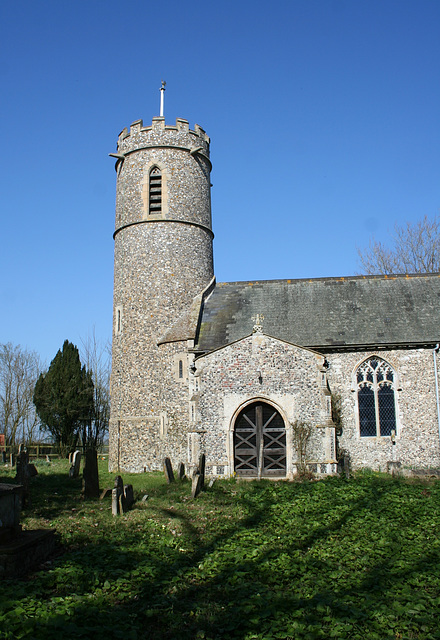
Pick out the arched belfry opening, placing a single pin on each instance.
(259, 442)
(155, 192)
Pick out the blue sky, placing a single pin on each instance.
(323, 117)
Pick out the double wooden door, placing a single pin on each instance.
(259, 442)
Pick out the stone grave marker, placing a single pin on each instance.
(12, 460)
(22, 475)
(197, 484)
(116, 495)
(122, 497)
(128, 500)
(168, 470)
(4, 457)
(181, 471)
(202, 461)
(75, 465)
(90, 475)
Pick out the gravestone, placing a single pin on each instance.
(181, 471)
(20, 551)
(47, 458)
(168, 470)
(12, 460)
(90, 475)
(393, 467)
(117, 491)
(76, 462)
(4, 457)
(128, 500)
(197, 484)
(122, 497)
(32, 470)
(202, 460)
(106, 492)
(22, 475)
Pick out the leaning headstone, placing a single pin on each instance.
(12, 460)
(144, 498)
(197, 484)
(47, 458)
(4, 457)
(76, 462)
(181, 471)
(71, 454)
(106, 492)
(90, 475)
(211, 483)
(168, 470)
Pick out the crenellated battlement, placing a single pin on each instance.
(161, 134)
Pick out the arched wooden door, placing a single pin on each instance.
(259, 442)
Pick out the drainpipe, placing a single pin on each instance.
(436, 385)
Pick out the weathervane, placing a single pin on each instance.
(162, 93)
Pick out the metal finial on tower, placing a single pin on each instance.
(162, 92)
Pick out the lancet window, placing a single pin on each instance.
(376, 398)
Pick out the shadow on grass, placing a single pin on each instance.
(329, 559)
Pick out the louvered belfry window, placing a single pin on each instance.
(376, 398)
(155, 191)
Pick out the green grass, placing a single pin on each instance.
(356, 559)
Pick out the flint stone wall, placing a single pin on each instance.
(417, 436)
(290, 381)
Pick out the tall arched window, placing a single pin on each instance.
(376, 398)
(155, 192)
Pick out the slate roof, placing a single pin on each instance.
(326, 314)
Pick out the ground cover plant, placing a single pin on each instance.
(334, 558)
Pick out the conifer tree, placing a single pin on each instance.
(63, 397)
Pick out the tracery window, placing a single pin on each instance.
(376, 398)
(155, 192)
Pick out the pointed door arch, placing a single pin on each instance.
(259, 442)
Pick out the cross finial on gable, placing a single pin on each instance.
(258, 326)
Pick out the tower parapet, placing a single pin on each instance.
(179, 135)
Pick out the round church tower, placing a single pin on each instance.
(163, 259)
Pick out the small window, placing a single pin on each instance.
(376, 398)
(118, 319)
(180, 369)
(155, 192)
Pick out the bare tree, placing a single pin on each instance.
(96, 356)
(414, 248)
(19, 370)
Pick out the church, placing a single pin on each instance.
(239, 370)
